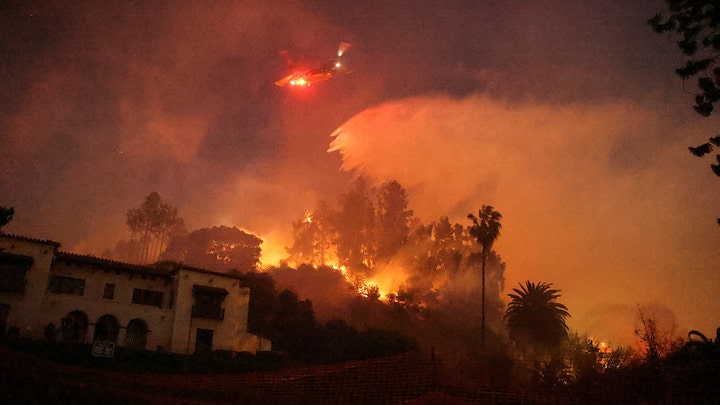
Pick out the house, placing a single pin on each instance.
(46, 293)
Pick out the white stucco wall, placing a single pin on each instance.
(30, 302)
(171, 327)
(229, 333)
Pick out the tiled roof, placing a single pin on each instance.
(28, 239)
(161, 269)
(106, 264)
(210, 272)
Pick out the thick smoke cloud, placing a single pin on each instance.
(587, 192)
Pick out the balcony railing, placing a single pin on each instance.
(208, 312)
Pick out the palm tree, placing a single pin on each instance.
(535, 318)
(485, 229)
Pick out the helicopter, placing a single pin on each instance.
(322, 73)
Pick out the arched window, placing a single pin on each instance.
(106, 329)
(74, 327)
(136, 335)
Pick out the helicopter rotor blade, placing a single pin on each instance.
(285, 80)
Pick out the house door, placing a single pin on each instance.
(74, 327)
(136, 334)
(106, 329)
(203, 341)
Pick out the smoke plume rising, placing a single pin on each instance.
(587, 192)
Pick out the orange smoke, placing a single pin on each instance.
(594, 197)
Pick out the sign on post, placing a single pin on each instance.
(103, 349)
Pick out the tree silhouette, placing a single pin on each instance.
(393, 219)
(695, 23)
(485, 229)
(6, 215)
(264, 304)
(448, 245)
(535, 319)
(694, 369)
(153, 223)
(295, 325)
(355, 222)
(693, 26)
(219, 248)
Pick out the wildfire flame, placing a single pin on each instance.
(362, 287)
(221, 251)
(381, 285)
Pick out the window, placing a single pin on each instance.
(147, 297)
(109, 291)
(66, 285)
(208, 302)
(12, 272)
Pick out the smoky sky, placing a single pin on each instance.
(566, 116)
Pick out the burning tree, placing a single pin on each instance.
(450, 244)
(407, 276)
(359, 234)
(354, 224)
(382, 241)
(313, 237)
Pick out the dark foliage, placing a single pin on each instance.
(695, 23)
(155, 362)
(264, 304)
(291, 325)
(6, 215)
(220, 248)
(535, 319)
(693, 370)
(297, 332)
(693, 26)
